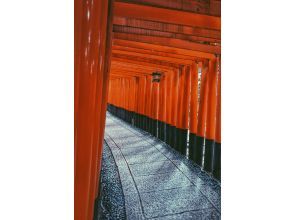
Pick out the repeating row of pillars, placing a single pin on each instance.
(174, 111)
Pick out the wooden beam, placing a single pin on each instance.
(126, 74)
(162, 48)
(170, 42)
(147, 61)
(153, 52)
(148, 32)
(166, 27)
(155, 57)
(127, 71)
(166, 15)
(131, 64)
(182, 5)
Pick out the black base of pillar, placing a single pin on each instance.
(143, 125)
(167, 133)
(154, 127)
(132, 118)
(140, 121)
(146, 125)
(217, 161)
(208, 155)
(181, 145)
(149, 125)
(161, 130)
(196, 148)
(127, 116)
(173, 137)
(137, 119)
(150, 121)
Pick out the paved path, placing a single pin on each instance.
(157, 182)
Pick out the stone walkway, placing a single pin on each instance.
(157, 182)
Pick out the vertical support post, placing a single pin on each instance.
(193, 112)
(162, 108)
(211, 116)
(174, 112)
(183, 113)
(144, 103)
(179, 107)
(152, 109)
(217, 150)
(148, 103)
(156, 109)
(199, 147)
(143, 111)
(92, 21)
(136, 105)
(169, 80)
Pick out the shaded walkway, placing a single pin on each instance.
(158, 182)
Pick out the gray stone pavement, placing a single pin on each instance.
(158, 182)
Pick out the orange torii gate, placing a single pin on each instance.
(183, 109)
(175, 106)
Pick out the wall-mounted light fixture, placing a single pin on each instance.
(156, 76)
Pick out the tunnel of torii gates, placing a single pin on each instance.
(154, 64)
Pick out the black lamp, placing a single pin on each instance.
(156, 76)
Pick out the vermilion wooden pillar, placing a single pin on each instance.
(136, 106)
(162, 109)
(217, 149)
(143, 101)
(183, 113)
(129, 96)
(130, 100)
(202, 112)
(174, 110)
(149, 104)
(138, 100)
(93, 28)
(154, 108)
(211, 116)
(169, 80)
(180, 106)
(193, 111)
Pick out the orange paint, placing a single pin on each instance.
(218, 109)
(170, 42)
(169, 80)
(162, 99)
(203, 101)
(92, 21)
(194, 99)
(144, 12)
(180, 97)
(174, 110)
(212, 100)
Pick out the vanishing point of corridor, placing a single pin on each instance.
(154, 181)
